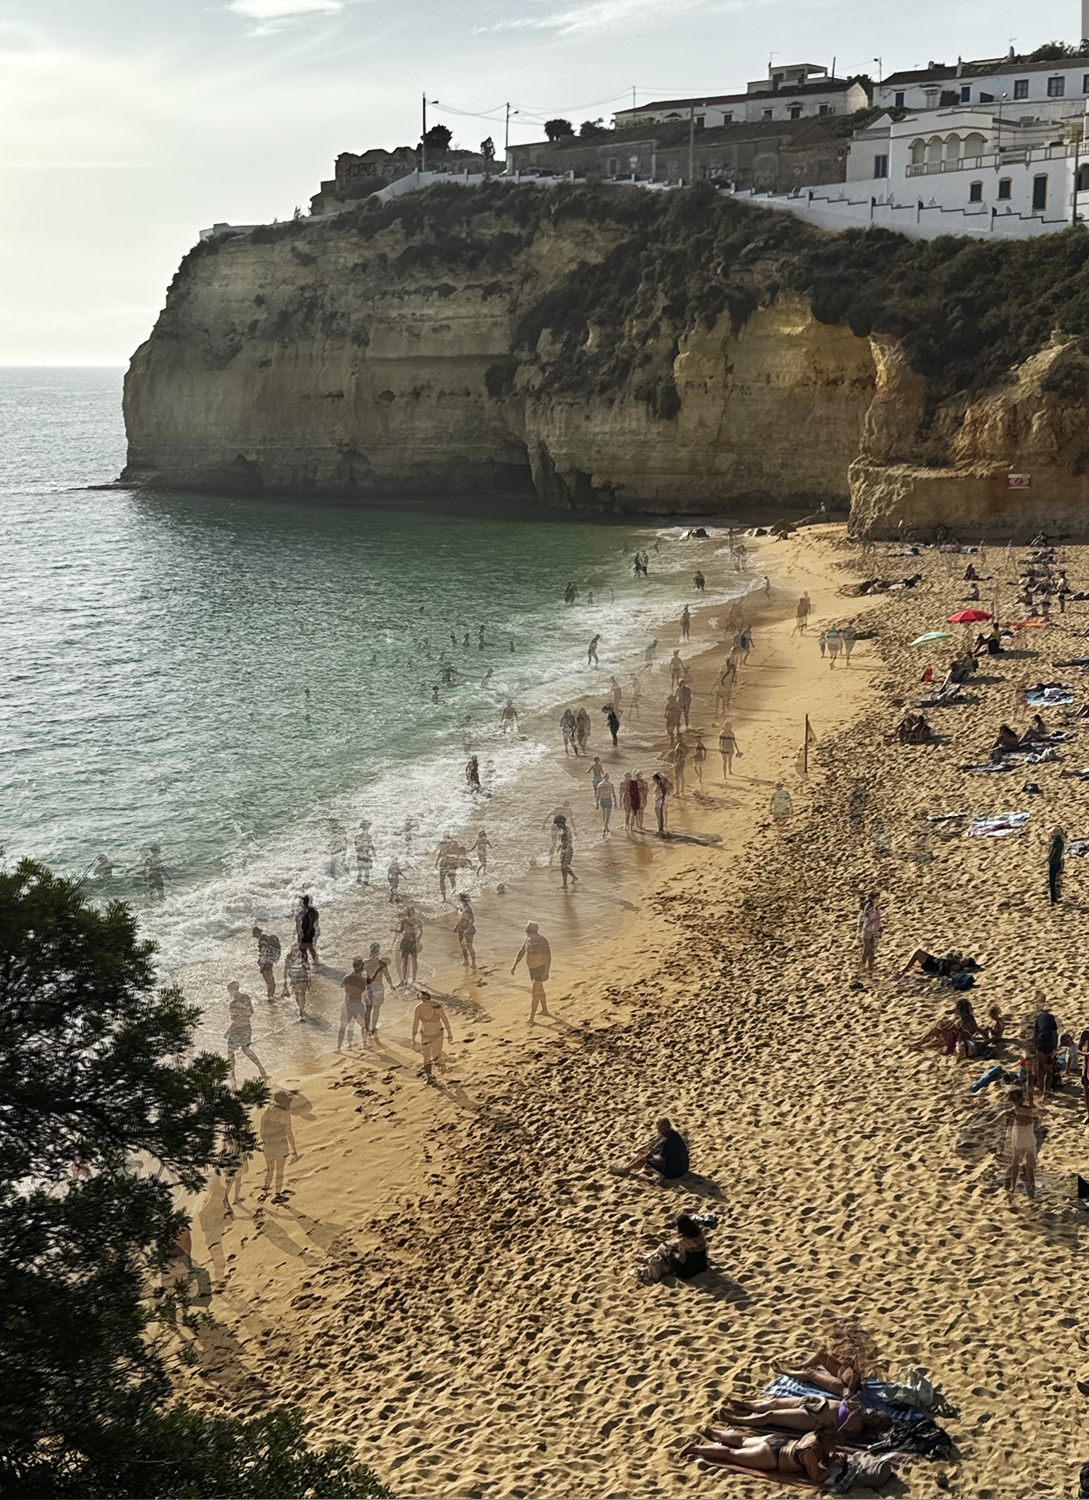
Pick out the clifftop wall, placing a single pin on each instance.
(618, 350)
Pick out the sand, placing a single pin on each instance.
(447, 1285)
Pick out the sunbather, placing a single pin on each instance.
(956, 1026)
(1008, 739)
(952, 963)
(811, 1455)
(913, 729)
(834, 1373)
(799, 1414)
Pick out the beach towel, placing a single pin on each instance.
(986, 768)
(1049, 695)
(1079, 847)
(997, 827)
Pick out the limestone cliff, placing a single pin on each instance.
(620, 350)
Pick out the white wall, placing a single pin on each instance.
(1074, 74)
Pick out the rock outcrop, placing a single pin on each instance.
(510, 338)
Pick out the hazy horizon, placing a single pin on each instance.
(128, 127)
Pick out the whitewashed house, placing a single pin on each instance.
(794, 92)
(1051, 89)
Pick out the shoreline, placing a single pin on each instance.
(464, 1250)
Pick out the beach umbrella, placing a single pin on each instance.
(932, 638)
(969, 616)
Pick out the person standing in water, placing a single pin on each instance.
(635, 692)
(393, 876)
(307, 930)
(651, 651)
(605, 798)
(568, 729)
(297, 976)
(353, 985)
(508, 719)
(431, 1022)
(612, 719)
(728, 748)
(567, 850)
(376, 968)
(684, 700)
(617, 693)
(591, 652)
(364, 854)
(239, 1034)
(465, 927)
(700, 582)
(661, 793)
(582, 730)
(597, 776)
(410, 930)
(680, 762)
(699, 755)
(538, 956)
(268, 956)
(472, 774)
(686, 622)
(482, 845)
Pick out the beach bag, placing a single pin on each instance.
(868, 1469)
(660, 1265)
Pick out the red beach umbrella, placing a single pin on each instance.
(969, 616)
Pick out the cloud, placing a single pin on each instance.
(274, 14)
(603, 16)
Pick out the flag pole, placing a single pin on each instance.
(805, 757)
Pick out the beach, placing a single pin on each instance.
(447, 1285)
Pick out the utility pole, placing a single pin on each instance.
(1077, 165)
(1084, 2)
(423, 139)
(506, 131)
(691, 141)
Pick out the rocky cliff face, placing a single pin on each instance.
(612, 353)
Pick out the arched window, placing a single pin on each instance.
(918, 153)
(1083, 178)
(952, 148)
(974, 144)
(934, 148)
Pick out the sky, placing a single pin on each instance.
(126, 126)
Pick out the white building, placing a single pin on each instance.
(1053, 88)
(956, 171)
(787, 93)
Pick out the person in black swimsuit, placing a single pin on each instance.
(812, 1456)
(307, 929)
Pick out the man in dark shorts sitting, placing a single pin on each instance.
(667, 1154)
(952, 963)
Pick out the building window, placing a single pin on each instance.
(767, 114)
(776, 80)
(1039, 193)
(1083, 178)
(986, 98)
(701, 121)
(898, 99)
(966, 93)
(795, 111)
(727, 119)
(975, 192)
(932, 97)
(1005, 187)
(1020, 88)
(826, 109)
(612, 166)
(880, 166)
(1085, 83)
(1056, 88)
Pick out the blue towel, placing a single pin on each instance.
(871, 1394)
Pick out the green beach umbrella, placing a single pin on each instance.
(932, 637)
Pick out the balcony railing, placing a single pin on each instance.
(1008, 157)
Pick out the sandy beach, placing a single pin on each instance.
(447, 1285)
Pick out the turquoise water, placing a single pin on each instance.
(221, 677)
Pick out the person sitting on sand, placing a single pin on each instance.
(1007, 739)
(837, 1374)
(913, 729)
(995, 1031)
(684, 1257)
(952, 963)
(800, 1414)
(812, 1455)
(950, 1030)
(666, 1154)
(970, 574)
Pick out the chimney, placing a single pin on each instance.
(960, 61)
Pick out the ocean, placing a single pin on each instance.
(239, 682)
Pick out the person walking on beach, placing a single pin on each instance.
(822, 642)
(699, 755)
(676, 669)
(465, 927)
(364, 855)
(639, 798)
(684, 700)
(472, 774)
(782, 807)
(680, 761)
(612, 719)
(566, 846)
(801, 622)
(353, 985)
(591, 652)
(538, 956)
(728, 748)
(393, 877)
(582, 730)
(297, 975)
(410, 931)
(277, 1144)
(482, 845)
(597, 776)
(239, 1034)
(307, 930)
(831, 640)
(1056, 858)
(847, 638)
(661, 793)
(651, 651)
(376, 968)
(625, 798)
(449, 857)
(869, 930)
(686, 622)
(605, 797)
(635, 692)
(508, 719)
(268, 956)
(672, 718)
(550, 822)
(432, 1024)
(724, 688)
(568, 731)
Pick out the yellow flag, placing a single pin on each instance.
(809, 735)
